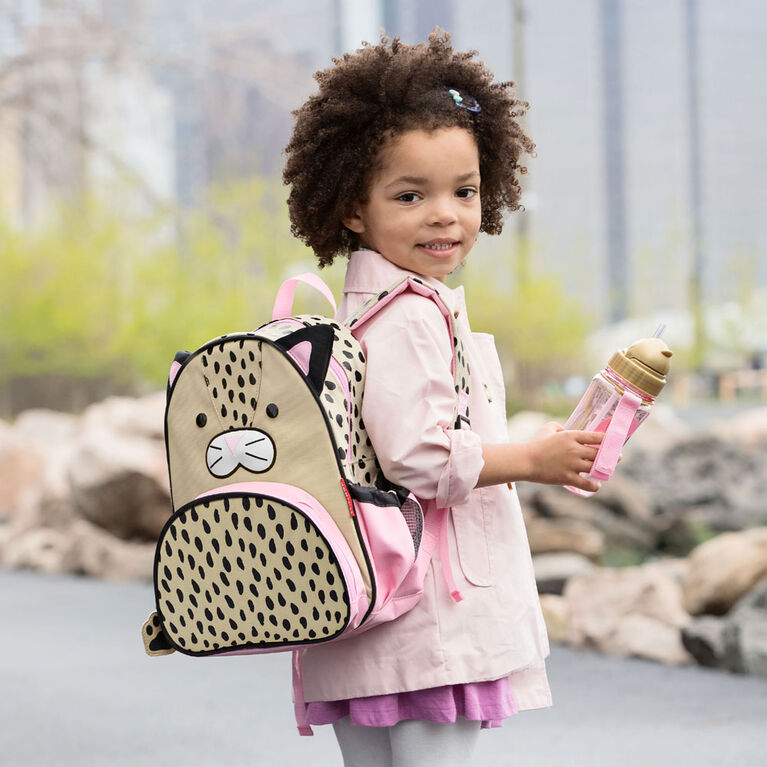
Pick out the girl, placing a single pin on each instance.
(401, 158)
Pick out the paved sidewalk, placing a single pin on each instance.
(76, 689)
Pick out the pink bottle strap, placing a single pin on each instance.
(283, 304)
(615, 436)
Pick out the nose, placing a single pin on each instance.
(442, 212)
(233, 441)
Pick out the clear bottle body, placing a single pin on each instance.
(598, 404)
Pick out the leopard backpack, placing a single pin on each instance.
(284, 531)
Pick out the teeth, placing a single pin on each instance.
(440, 246)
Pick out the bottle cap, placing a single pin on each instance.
(644, 365)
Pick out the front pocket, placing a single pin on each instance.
(245, 572)
(473, 523)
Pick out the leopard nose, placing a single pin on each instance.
(233, 442)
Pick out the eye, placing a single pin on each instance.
(201, 419)
(466, 192)
(272, 410)
(409, 197)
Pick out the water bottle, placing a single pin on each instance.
(619, 398)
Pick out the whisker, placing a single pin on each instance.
(260, 439)
(215, 447)
(215, 462)
(257, 457)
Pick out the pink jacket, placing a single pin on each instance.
(498, 629)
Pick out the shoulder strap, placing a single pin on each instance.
(459, 365)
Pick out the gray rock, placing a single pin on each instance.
(623, 519)
(552, 571)
(704, 639)
(138, 417)
(558, 503)
(632, 611)
(119, 482)
(22, 465)
(724, 569)
(627, 498)
(737, 641)
(47, 427)
(750, 616)
(711, 479)
(561, 535)
(624, 532)
(752, 637)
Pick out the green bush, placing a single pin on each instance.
(90, 294)
(539, 329)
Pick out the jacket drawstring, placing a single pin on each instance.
(444, 555)
(299, 704)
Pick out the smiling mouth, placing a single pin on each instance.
(438, 246)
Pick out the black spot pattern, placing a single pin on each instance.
(286, 565)
(230, 355)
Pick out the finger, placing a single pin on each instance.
(589, 437)
(585, 483)
(594, 486)
(546, 430)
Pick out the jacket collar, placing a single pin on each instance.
(369, 272)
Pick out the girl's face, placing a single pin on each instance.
(423, 211)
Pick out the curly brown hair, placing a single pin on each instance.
(369, 97)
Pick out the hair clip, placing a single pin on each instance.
(469, 103)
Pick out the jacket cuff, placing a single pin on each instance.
(462, 470)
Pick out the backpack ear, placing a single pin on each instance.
(178, 361)
(310, 348)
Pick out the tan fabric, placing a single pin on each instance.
(303, 458)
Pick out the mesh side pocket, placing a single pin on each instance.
(413, 515)
(393, 496)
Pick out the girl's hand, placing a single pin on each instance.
(557, 457)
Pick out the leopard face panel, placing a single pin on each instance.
(222, 417)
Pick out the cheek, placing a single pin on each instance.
(475, 217)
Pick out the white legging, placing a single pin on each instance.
(412, 743)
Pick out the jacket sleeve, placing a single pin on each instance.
(409, 400)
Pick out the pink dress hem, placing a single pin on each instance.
(487, 702)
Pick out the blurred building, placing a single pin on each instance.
(566, 189)
(129, 120)
(79, 119)
(233, 70)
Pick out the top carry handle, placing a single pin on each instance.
(283, 304)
